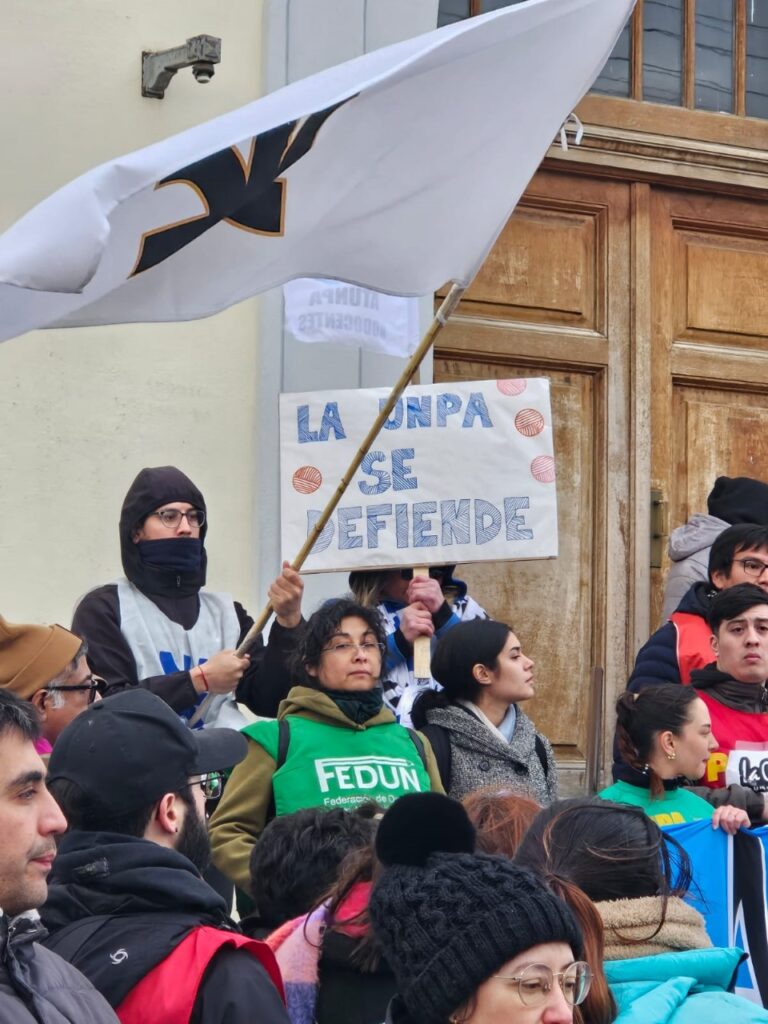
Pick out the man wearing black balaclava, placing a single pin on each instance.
(159, 629)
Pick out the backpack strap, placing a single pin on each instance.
(417, 742)
(440, 742)
(283, 740)
(541, 752)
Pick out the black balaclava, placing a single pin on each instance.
(151, 489)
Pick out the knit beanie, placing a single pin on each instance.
(445, 918)
(739, 499)
(31, 656)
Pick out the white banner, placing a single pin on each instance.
(321, 310)
(394, 171)
(460, 472)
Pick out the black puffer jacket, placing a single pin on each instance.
(176, 594)
(38, 987)
(112, 894)
(346, 994)
(657, 662)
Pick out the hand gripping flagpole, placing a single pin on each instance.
(448, 305)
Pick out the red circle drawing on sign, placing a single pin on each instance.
(529, 422)
(543, 469)
(512, 387)
(307, 479)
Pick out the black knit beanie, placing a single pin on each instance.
(739, 499)
(446, 919)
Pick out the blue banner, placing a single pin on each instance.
(731, 891)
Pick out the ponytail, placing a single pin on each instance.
(642, 715)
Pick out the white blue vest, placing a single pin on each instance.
(161, 646)
(400, 686)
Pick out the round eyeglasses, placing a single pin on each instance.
(171, 517)
(535, 982)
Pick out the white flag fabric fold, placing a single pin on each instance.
(394, 171)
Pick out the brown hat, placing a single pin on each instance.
(31, 656)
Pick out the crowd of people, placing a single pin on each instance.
(394, 846)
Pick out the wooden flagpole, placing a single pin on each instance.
(447, 307)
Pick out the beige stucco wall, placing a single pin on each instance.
(81, 411)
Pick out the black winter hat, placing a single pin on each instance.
(445, 918)
(739, 499)
(126, 751)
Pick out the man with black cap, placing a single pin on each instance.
(126, 904)
(159, 629)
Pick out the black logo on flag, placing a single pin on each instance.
(749, 925)
(249, 195)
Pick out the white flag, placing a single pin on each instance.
(394, 171)
(321, 310)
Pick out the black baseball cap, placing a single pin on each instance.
(126, 751)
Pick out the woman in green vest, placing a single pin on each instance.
(665, 737)
(333, 744)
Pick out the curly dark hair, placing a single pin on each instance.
(321, 627)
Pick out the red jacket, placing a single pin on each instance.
(168, 993)
(729, 726)
(694, 649)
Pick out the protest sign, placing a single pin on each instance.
(322, 310)
(460, 472)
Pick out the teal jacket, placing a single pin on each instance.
(689, 987)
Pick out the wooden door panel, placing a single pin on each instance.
(550, 602)
(526, 271)
(726, 291)
(709, 394)
(553, 300)
(718, 433)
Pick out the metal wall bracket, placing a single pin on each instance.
(658, 528)
(159, 66)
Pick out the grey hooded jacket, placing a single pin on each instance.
(38, 987)
(689, 548)
(480, 758)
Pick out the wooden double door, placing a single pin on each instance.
(647, 308)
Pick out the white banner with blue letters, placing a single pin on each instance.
(460, 472)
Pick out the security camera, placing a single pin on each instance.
(203, 71)
(159, 66)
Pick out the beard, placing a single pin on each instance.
(194, 843)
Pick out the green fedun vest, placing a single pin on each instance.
(330, 766)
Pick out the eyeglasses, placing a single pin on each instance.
(212, 785)
(171, 517)
(92, 684)
(752, 566)
(535, 982)
(369, 647)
